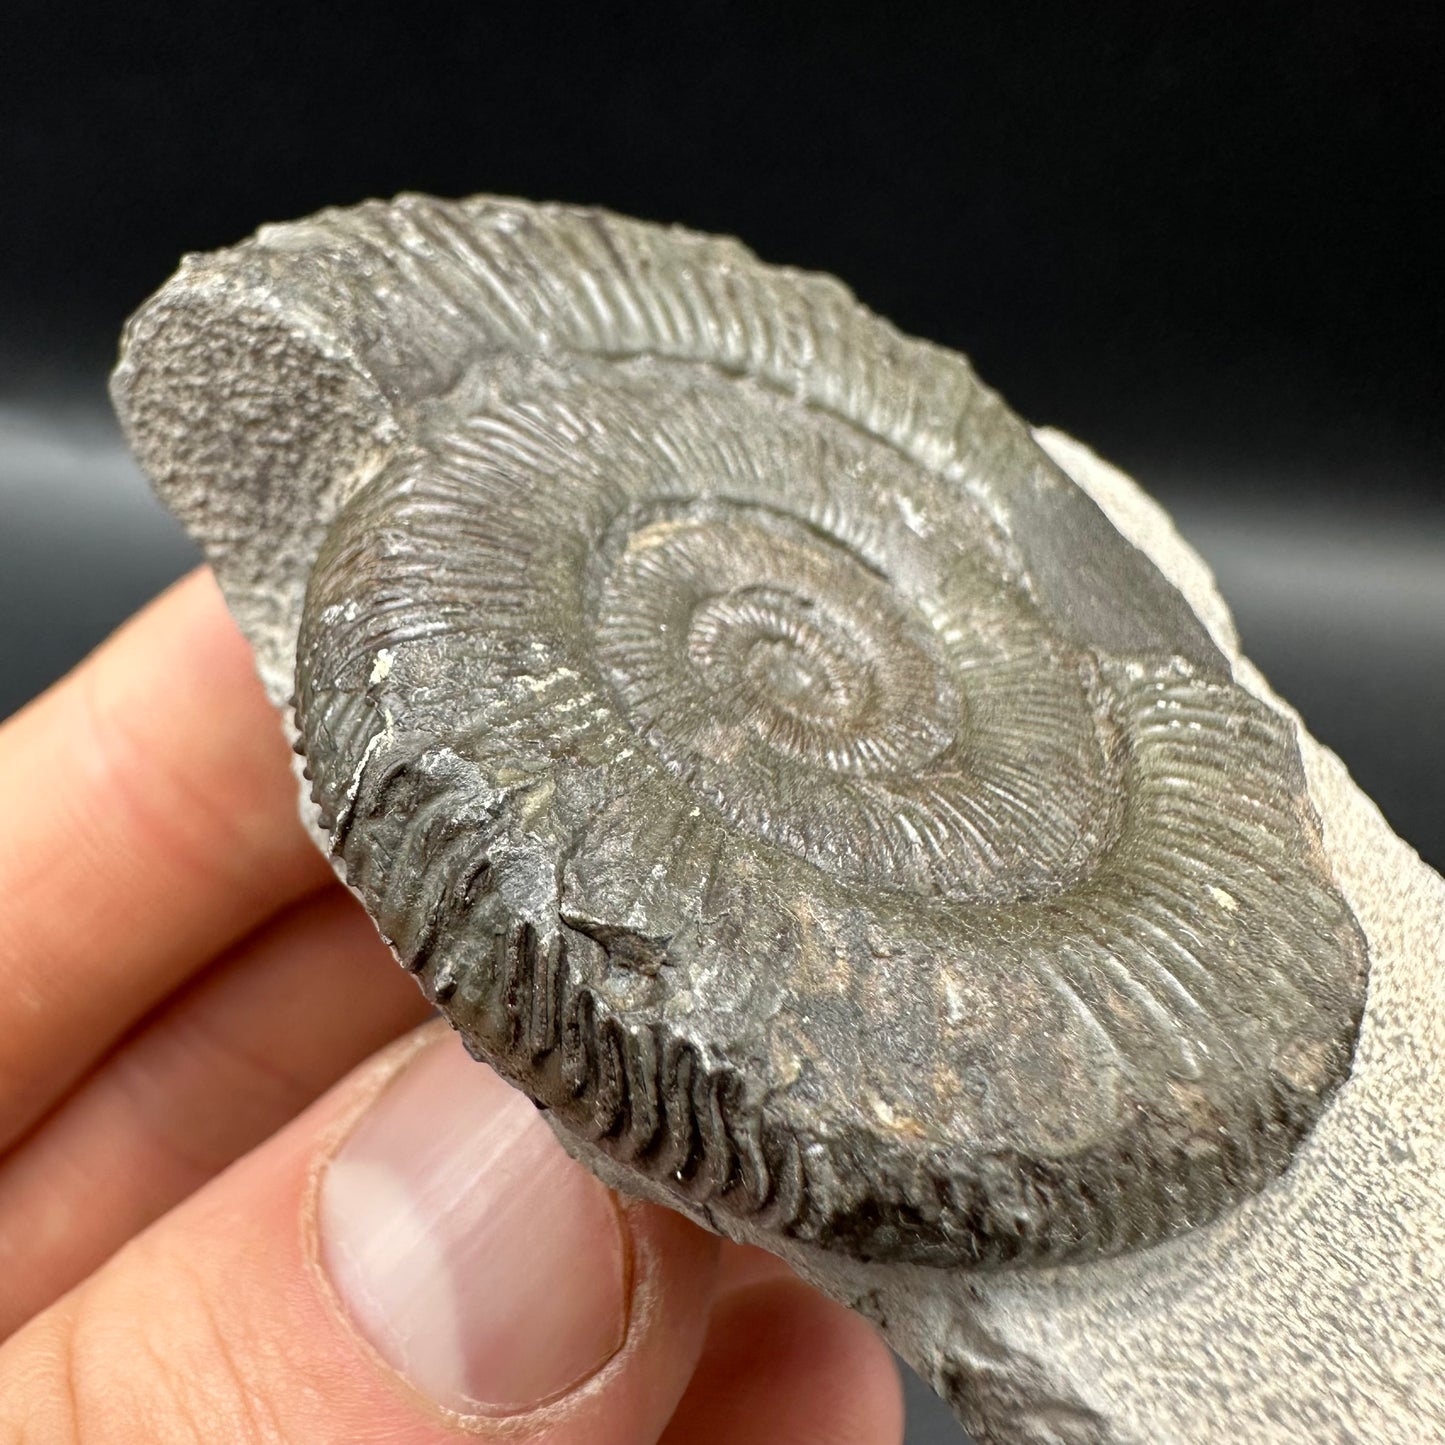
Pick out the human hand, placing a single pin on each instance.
(205, 1236)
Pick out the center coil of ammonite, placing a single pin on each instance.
(731, 633)
(788, 681)
(775, 652)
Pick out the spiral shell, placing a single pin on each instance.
(757, 747)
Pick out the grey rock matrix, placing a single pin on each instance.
(843, 809)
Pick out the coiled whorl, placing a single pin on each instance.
(758, 748)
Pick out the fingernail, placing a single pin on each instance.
(483, 1264)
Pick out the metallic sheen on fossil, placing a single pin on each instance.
(756, 745)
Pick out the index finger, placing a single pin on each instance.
(150, 821)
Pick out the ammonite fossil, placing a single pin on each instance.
(759, 749)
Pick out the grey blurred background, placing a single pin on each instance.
(1206, 240)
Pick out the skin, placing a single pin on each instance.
(174, 1076)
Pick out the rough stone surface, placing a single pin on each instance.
(858, 834)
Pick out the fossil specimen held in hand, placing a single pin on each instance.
(759, 747)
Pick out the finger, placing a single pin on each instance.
(783, 1364)
(150, 821)
(226, 1063)
(744, 1264)
(433, 1270)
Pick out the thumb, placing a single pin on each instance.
(413, 1260)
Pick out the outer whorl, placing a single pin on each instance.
(760, 750)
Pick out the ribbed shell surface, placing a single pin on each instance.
(758, 748)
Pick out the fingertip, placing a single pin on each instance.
(490, 1270)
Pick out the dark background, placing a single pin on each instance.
(1208, 240)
